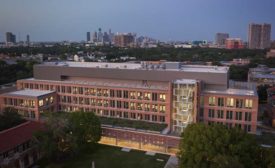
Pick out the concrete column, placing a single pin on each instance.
(21, 163)
(31, 159)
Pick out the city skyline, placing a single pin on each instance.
(187, 20)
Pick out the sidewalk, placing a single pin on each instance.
(172, 162)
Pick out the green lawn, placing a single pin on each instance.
(111, 157)
(118, 122)
(133, 124)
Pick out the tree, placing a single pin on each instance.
(10, 118)
(216, 146)
(67, 135)
(85, 127)
(53, 141)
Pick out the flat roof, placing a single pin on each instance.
(140, 66)
(268, 76)
(105, 84)
(231, 91)
(29, 93)
(185, 81)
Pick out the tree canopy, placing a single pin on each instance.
(207, 146)
(67, 135)
(10, 118)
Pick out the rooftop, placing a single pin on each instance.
(29, 93)
(160, 66)
(10, 138)
(108, 84)
(230, 91)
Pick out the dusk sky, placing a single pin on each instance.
(56, 20)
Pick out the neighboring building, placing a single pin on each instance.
(106, 38)
(28, 39)
(95, 37)
(234, 43)
(221, 39)
(259, 36)
(237, 62)
(183, 45)
(262, 75)
(10, 38)
(167, 93)
(241, 61)
(29, 103)
(88, 36)
(232, 107)
(270, 54)
(100, 36)
(18, 149)
(271, 105)
(124, 40)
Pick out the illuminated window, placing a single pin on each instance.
(146, 107)
(147, 96)
(211, 101)
(154, 107)
(162, 97)
(230, 102)
(132, 106)
(41, 103)
(139, 95)
(132, 95)
(51, 99)
(162, 108)
(248, 103)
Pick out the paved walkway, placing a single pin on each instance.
(172, 162)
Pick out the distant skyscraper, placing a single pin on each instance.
(95, 37)
(99, 36)
(221, 38)
(124, 40)
(10, 38)
(111, 35)
(106, 38)
(88, 36)
(28, 39)
(234, 43)
(259, 36)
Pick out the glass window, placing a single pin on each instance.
(230, 102)
(211, 101)
(41, 103)
(239, 103)
(162, 97)
(220, 101)
(154, 96)
(147, 96)
(211, 113)
(247, 116)
(248, 103)
(220, 113)
(238, 116)
(229, 115)
(162, 108)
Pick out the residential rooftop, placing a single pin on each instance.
(168, 66)
(29, 93)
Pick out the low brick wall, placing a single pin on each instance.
(142, 139)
